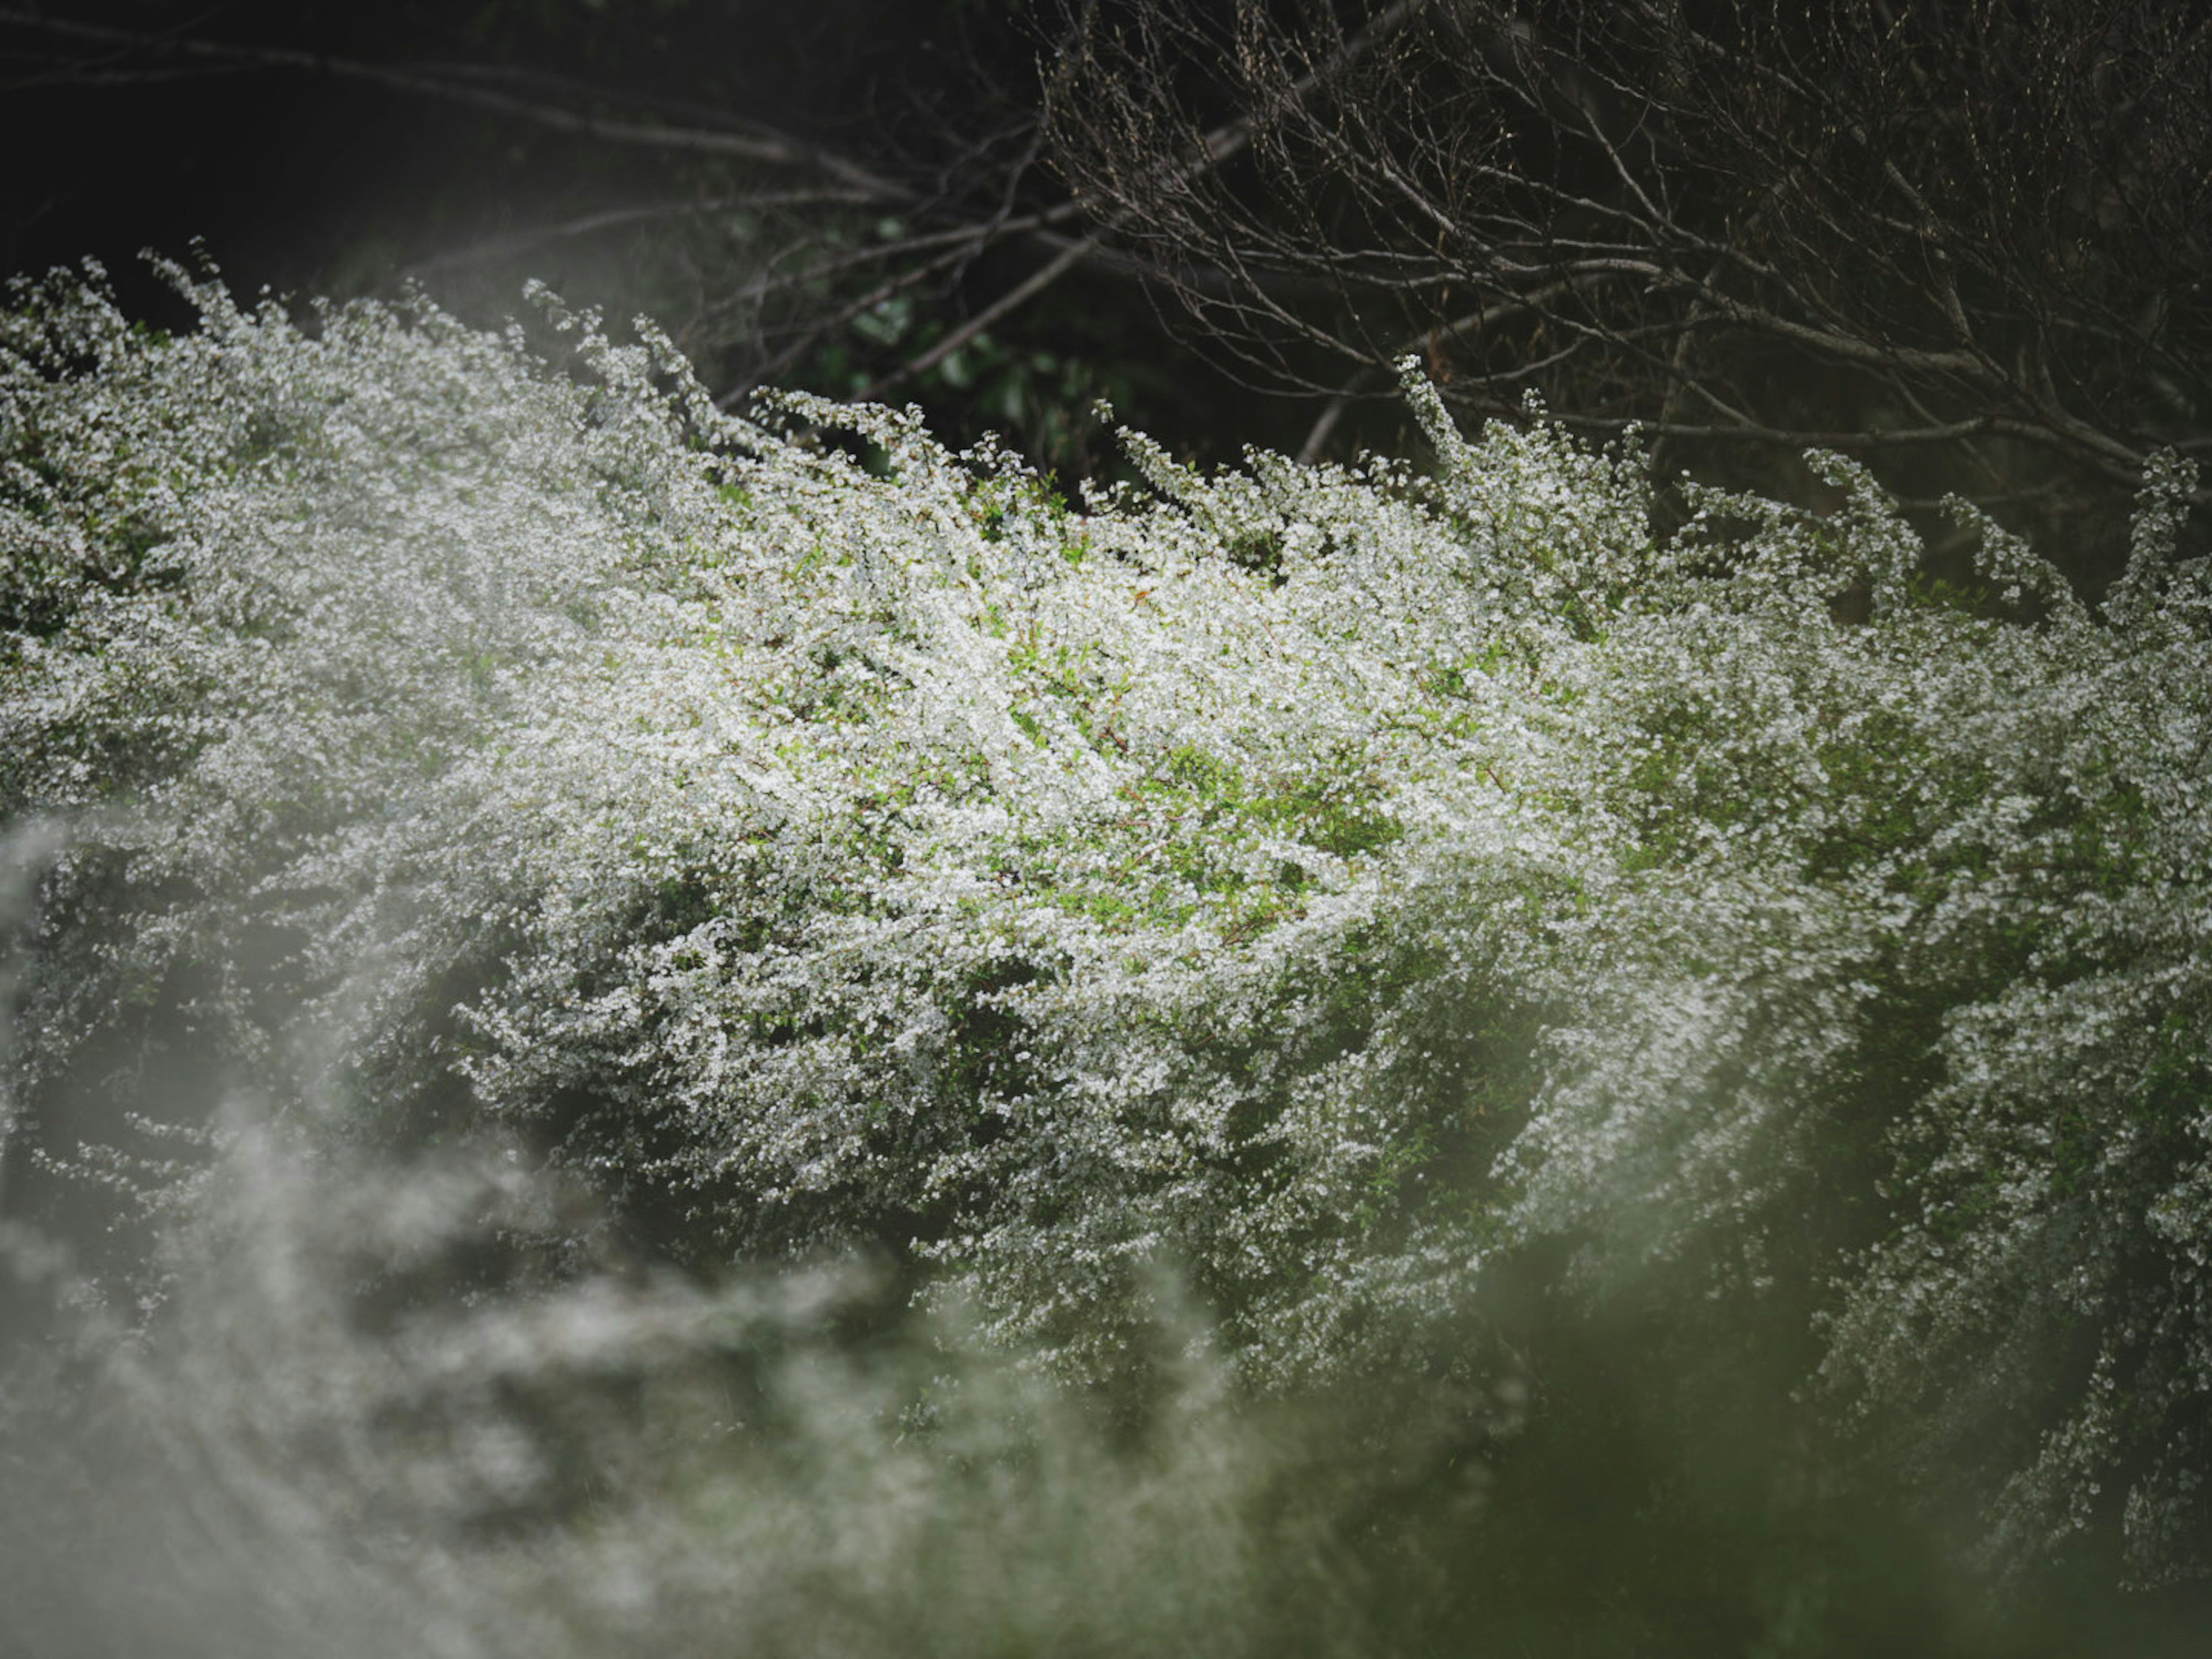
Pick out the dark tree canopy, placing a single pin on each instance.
(1965, 238)
(1962, 239)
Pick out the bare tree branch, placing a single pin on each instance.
(1975, 225)
(445, 83)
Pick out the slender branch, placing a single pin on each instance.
(759, 145)
(521, 241)
(1020, 294)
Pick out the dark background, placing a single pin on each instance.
(2062, 155)
(311, 179)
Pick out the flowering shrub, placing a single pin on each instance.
(1325, 881)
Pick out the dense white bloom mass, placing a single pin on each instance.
(1323, 880)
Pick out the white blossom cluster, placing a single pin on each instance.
(1322, 880)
